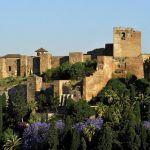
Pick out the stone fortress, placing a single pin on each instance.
(117, 59)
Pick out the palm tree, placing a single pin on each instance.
(101, 109)
(33, 106)
(12, 142)
(89, 131)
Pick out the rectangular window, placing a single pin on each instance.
(9, 68)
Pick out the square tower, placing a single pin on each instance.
(126, 42)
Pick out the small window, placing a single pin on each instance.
(9, 68)
(123, 36)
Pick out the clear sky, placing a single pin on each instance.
(61, 26)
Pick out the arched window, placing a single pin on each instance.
(123, 36)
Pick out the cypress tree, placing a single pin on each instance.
(143, 138)
(1, 118)
(75, 140)
(137, 113)
(53, 140)
(67, 138)
(105, 142)
(83, 144)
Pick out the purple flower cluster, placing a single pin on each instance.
(35, 134)
(97, 122)
(60, 124)
(146, 124)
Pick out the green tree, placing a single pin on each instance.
(89, 132)
(137, 113)
(133, 140)
(106, 140)
(113, 114)
(53, 140)
(101, 109)
(79, 110)
(4, 103)
(21, 109)
(143, 135)
(12, 141)
(18, 107)
(41, 101)
(55, 103)
(75, 143)
(77, 71)
(83, 144)
(67, 135)
(33, 106)
(1, 117)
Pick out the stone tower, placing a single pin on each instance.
(127, 42)
(45, 59)
(34, 84)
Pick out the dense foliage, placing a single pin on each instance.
(67, 71)
(120, 119)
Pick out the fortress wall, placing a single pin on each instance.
(3, 73)
(56, 61)
(29, 66)
(99, 79)
(11, 66)
(23, 66)
(134, 65)
(75, 57)
(34, 84)
(45, 62)
(86, 57)
(145, 57)
(58, 87)
(127, 42)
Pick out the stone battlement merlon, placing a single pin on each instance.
(123, 28)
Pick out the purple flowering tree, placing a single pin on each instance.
(97, 123)
(146, 124)
(35, 136)
(89, 127)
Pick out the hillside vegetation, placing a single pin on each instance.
(11, 81)
(67, 71)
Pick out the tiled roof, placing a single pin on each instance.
(12, 56)
(41, 50)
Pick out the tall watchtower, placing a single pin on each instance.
(127, 42)
(45, 59)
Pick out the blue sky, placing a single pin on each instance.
(61, 26)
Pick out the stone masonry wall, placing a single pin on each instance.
(3, 73)
(23, 66)
(45, 62)
(134, 66)
(58, 84)
(127, 42)
(145, 57)
(11, 66)
(56, 61)
(86, 57)
(75, 57)
(93, 84)
(34, 84)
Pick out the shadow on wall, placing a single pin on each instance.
(64, 59)
(107, 51)
(18, 90)
(146, 66)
